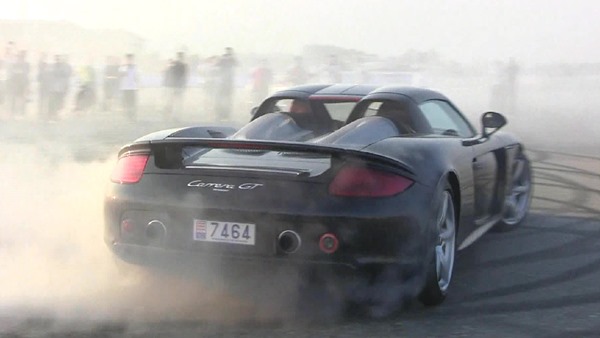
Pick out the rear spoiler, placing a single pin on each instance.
(301, 147)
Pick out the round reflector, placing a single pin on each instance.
(328, 243)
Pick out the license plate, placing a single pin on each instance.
(224, 232)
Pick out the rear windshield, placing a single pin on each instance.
(339, 111)
(324, 110)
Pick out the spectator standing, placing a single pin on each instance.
(129, 86)
(334, 69)
(60, 76)
(298, 75)
(512, 74)
(262, 77)
(18, 82)
(168, 84)
(86, 95)
(110, 82)
(44, 79)
(68, 73)
(177, 77)
(224, 100)
(3, 77)
(5, 64)
(504, 90)
(208, 71)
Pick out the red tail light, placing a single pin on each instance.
(129, 169)
(366, 182)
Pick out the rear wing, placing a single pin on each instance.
(172, 145)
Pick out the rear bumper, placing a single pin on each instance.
(169, 259)
(399, 240)
(392, 230)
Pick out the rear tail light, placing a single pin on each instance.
(129, 168)
(367, 182)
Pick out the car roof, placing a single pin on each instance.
(326, 90)
(418, 95)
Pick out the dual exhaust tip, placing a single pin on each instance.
(156, 231)
(289, 242)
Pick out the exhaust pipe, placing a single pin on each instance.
(289, 241)
(156, 231)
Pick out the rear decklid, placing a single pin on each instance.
(283, 174)
(289, 158)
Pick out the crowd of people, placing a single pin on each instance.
(53, 88)
(54, 78)
(218, 74)
(114, 87)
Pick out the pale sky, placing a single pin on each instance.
(533, 31)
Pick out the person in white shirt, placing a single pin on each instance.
(129, 86)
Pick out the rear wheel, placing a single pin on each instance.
(440, 269)
(518, 198)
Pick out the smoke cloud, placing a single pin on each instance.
(54, 263)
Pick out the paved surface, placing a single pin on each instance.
(539, 280)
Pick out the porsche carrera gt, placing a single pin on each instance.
(354, 178)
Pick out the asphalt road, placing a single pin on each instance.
(540, 280)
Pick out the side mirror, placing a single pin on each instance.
(491, 122)
(253, 111)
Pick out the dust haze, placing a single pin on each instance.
(55, 265)
(53, 261)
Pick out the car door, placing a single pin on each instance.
(446, 120)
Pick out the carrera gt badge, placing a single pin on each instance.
(223, 187)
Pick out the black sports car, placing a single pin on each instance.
(358, 179)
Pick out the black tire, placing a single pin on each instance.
(518, 197)
(437, 281)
